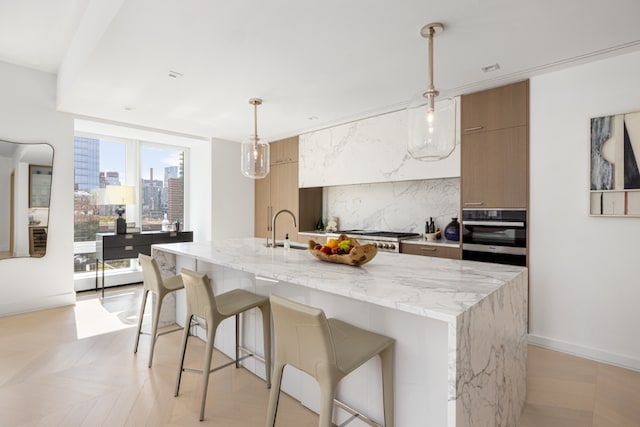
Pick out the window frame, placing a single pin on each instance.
(133, 177)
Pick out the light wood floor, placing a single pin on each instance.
(74, 366)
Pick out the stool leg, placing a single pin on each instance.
(274, 394)
(154, 327)
(206, 370)
(237, 340)
(387, 358)
(265, 309)
(327, 394)
(145, 292)
(185, 337)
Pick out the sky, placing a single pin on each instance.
(112, 155)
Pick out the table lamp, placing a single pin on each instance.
(120, 195)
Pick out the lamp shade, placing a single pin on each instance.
(431, 136)
(120, 195)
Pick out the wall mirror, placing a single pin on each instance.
(25, 189)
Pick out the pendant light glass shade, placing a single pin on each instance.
(432, 125)
(432, 134)
(254, 160)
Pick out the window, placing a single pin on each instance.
(155, 170)
(162, 185)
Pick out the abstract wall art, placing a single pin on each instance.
(615, 161)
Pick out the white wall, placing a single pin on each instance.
(27, 114)
(584, 271)
(198, 209)
(232, 193)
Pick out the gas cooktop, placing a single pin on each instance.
(375, 233)
(387, 241)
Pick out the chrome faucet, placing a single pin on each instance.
(273, 224)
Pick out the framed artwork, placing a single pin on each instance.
(615, 160)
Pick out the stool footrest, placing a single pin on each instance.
(217, 368)
(355, 413)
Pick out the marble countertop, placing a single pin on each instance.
(437, 288)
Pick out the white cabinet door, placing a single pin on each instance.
(367, 151)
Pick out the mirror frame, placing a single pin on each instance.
(33, 243)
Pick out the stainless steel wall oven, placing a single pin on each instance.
(495, 235)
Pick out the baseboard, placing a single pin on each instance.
(586, 352)
(35, 304)
(87, 282)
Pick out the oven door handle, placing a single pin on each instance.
(518, 224)
(494, 249)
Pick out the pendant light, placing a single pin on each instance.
(254, 162)
(432, 125)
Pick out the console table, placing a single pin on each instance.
(110, 247)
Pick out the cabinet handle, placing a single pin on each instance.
(473, 128)
(268, 218)
(473, 203)
(428, 249)
(128, 248)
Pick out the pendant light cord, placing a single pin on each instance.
(431, 87)
(255, 124)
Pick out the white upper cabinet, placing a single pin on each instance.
(367, 151)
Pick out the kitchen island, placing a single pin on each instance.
(460, 326)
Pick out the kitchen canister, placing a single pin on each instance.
(452, 230)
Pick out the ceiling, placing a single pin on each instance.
(315, 64)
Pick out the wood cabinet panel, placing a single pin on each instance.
(284, 151)
(430, 250)
(279, 190)
(284, 195)
(262, 212)
(499, 108)
(495, 169)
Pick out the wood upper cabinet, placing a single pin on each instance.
(284, 151)
(495, 169)
(495, 148)
(498, 108)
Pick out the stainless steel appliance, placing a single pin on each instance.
(386, 241)
(495, 235)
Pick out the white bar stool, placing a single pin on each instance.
(328, 350)
(214, 309)
(154, 283)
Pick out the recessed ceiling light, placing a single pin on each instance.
(126, 107)
(490, 68)
(312, 118)
(175, 74)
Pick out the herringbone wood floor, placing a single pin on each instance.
(74, 366)
(64, 367)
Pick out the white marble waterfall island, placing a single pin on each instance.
(460, 326)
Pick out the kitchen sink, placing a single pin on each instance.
(294, 245)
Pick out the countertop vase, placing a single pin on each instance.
(452, 230)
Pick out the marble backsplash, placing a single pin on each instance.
(393, 206)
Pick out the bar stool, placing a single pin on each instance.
(214, 309)
(153, 282)
(328, 350)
